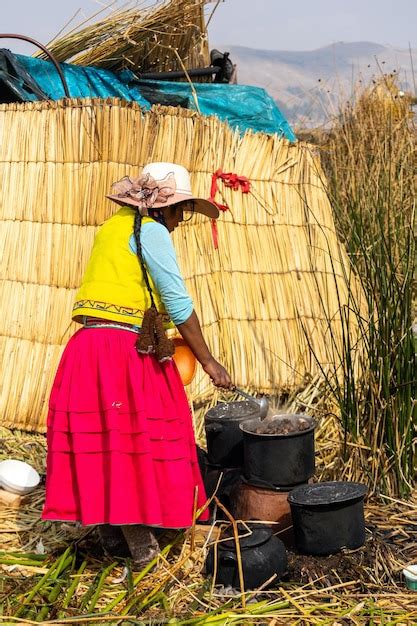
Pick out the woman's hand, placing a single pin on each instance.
(219, 376)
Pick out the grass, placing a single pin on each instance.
(67, 579)
(76, 584)
(369, 157)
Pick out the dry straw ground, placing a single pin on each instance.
(74, 583)
(166, 35)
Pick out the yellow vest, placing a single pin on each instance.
(113, 286)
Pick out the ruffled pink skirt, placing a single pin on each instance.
(121, 446)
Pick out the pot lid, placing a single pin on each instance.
(250, 536)
(327, 493)
(241, 409)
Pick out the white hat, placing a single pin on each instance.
(159, 186)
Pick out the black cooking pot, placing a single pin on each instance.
(202, 460)
(221, 481)
(224, 438)
(278, 459)
(328, 516)
(263, 556)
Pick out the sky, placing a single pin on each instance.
(265, 24)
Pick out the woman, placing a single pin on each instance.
(121, 448)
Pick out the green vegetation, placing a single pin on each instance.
(370, 162)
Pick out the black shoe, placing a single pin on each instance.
(113, 540)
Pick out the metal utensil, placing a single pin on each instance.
(262, 402)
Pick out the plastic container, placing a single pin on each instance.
(184, 360)
(328, 516)
(18, 476)
(410, 574)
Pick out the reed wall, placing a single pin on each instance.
(269, 298)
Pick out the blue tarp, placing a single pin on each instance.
(243, 107)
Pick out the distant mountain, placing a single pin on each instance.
(309, 85)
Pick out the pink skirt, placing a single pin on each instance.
(121, 447)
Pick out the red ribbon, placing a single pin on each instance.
(231, 180)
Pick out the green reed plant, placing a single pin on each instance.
(369, 158)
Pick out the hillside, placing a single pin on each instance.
(308, 85)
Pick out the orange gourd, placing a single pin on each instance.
(184, 360)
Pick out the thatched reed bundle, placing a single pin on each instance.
(164, 36)
(270, 298)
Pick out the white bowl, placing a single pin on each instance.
(18, 477)
(411, 572)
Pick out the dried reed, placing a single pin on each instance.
(67, 578)
(370, 160)
(163, 36)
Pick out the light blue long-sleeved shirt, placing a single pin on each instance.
(161, 260)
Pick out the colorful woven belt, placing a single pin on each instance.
(94, 322)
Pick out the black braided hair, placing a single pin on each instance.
(136, 232)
